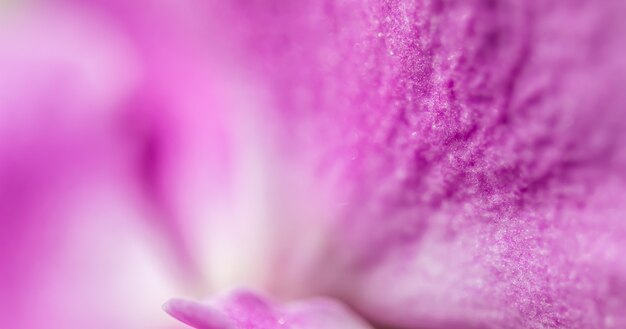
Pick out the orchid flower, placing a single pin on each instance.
(312, 164)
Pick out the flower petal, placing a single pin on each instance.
(94, 140)
(474, 154)
(242, 309)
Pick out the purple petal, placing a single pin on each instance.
(197, 315)
(96, 151)
(474, 152)
(241, 309)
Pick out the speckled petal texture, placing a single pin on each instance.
(432, 164)
(475, 149)
(246, 310)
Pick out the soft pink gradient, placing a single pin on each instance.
(357, 164)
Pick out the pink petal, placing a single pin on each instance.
(473, 155)
(96, 146)
(241, 309)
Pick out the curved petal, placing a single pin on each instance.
(94, 134)
(449, 163)
(472, 151)
(242, 309)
